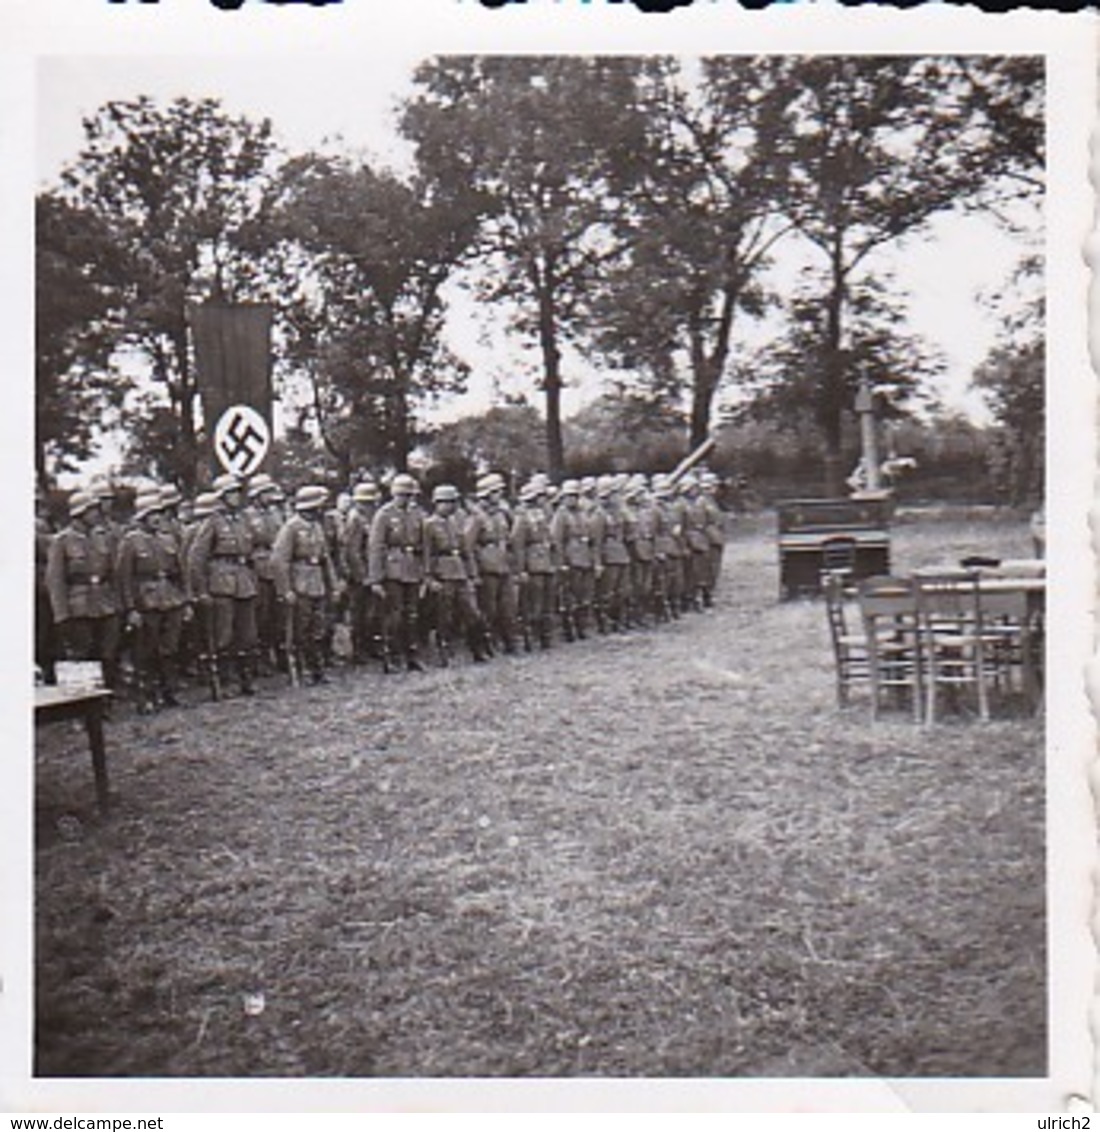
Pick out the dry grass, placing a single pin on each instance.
(658, 854)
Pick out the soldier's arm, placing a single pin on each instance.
(332, 575)
(353, 549)
(55, 578)
(197, 559)
(557, 539)
(124, 572)
(376, 550)
(282, 550)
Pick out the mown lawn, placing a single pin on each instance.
(656, 854)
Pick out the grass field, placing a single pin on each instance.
(657, 854)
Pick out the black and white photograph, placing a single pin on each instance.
(541, 564)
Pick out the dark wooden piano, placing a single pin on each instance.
(810, 530)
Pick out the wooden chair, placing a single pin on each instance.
(889, 609)
(955, 645)
(849, 649)
(1015, 640)
(838, 556)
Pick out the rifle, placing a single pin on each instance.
(207, 614)
(523, 610)
(288, 644)
(690, 460)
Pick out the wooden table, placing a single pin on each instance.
(1025, 577)
(52, 705)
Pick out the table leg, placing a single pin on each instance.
(93, 722)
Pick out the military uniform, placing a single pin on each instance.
(222, 579)
(639, 534)
(571, 531)
(609, 535)
(83, 589)
(151, 584)
(305, 577)
(365, 631)
(488, 531)
(265, 519)
(45, 631)
(536, 561)
(716, 538)
(452, 578)
(395, 572)
(696, 545)
(668, 571)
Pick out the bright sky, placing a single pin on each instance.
(313, 101)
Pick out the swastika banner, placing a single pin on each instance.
(233, 358)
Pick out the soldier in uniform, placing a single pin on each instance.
(366, 637)
(334, 521)
(716, 535)
(571, 531)
(396, 569)
(45, 631)
(83, 587)
(222, 578)
(265, 519)
(696, 542)
(487, 542)
(305, 577)
(536, 560)
(198, 654)
(452, 577)
(668, 571)
(639, 534)
(151, 583)
(612, 556)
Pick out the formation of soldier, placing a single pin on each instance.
(242, 581)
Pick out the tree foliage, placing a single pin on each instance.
(544, 143)
(77, 298)
(361, 258)
(1012, 378)
(701, 217)
(175, 189)
(876, 146)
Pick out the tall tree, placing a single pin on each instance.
(364, 256)
(1011, 377)
(76, 307)
(876, 147)
(701, 220)
(540, 140)
(173, 187)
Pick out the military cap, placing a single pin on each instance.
(206, 504)
(570, 487)
(404, 484)
(605, 485)
(81, 501)
(170, 496)
(588, 485)
(445, 493)
(310, 497)
(365, 492)
(490, 483)
(225, 484)
(258, 484)
(147, 501)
